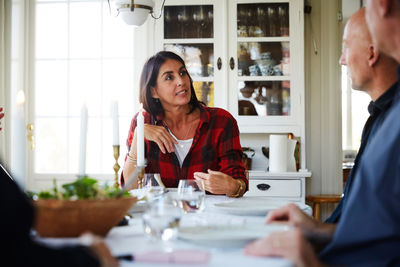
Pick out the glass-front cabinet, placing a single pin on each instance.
(266, 74)
(189, 28)
(246, 56)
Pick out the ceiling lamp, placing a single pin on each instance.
(135, 12)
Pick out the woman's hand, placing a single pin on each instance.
(161, 137)
(217, 182)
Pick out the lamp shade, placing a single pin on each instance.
(141, 10)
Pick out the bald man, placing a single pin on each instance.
(371, 72)
(368, 231)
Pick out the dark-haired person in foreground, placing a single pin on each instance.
(19, 249)
(184, 139)
(368, 232)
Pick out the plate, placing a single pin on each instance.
(227, 235)
(252, 207)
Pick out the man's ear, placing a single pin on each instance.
(385, 6)
(373, 56)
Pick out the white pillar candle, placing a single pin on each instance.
(83, 138)
(140, 137)
(114, 116)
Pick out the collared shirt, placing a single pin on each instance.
(368, 233)
(378, 111)
(216, 146)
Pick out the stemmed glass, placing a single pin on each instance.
(191, 196)
(152, 185)
(183, 19)
(199, 22)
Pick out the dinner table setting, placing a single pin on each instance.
(186, 226)
(160, 226)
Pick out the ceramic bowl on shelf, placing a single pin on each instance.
(67, 218)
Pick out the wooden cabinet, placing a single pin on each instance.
(288, 186)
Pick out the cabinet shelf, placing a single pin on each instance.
(262, 39)
(263, 78)
(189, 41)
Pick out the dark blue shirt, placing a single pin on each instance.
(368, 233)
(377, 111)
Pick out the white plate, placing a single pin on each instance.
(252, 207)
(227, 235)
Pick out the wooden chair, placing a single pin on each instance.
(317, 200)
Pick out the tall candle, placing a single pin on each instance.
(140, 137)
(83, 138)
(114, 116)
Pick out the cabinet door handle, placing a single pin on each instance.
(219, 63)
(232, 63)
(263, 187)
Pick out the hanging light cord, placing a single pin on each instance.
(159, 16)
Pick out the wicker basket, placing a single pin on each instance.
(64, 218)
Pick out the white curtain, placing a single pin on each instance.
(5, 74)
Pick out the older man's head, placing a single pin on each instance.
(383, 19)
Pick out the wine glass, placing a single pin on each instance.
(153, 186)
(191, 196)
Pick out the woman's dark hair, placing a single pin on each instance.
(148, 79)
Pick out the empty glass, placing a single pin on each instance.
(191, 196)
(152, 185)
(161, 219)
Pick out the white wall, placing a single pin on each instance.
(323, 98)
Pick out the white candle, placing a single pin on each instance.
(83, 138)
(140, 137)
(114, 116)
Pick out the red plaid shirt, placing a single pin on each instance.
(216, 146)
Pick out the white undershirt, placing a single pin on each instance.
(182, 148)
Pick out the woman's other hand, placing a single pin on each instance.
(217, 182)
(161, 137)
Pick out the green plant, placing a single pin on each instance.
(82, 188)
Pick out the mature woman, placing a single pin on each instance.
(184, 138)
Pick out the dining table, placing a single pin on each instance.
(221, 231)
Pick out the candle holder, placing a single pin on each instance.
(116, 165)
(141, 176)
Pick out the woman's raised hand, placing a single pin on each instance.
(161, 136)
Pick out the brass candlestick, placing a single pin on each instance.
(116, 165)
(141, 176)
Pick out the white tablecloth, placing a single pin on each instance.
(132, 240)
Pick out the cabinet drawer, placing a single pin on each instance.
(275, 188)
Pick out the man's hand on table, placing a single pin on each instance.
(293, 216)
(289, 244)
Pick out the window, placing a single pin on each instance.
(354, 116)
(83, 56)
